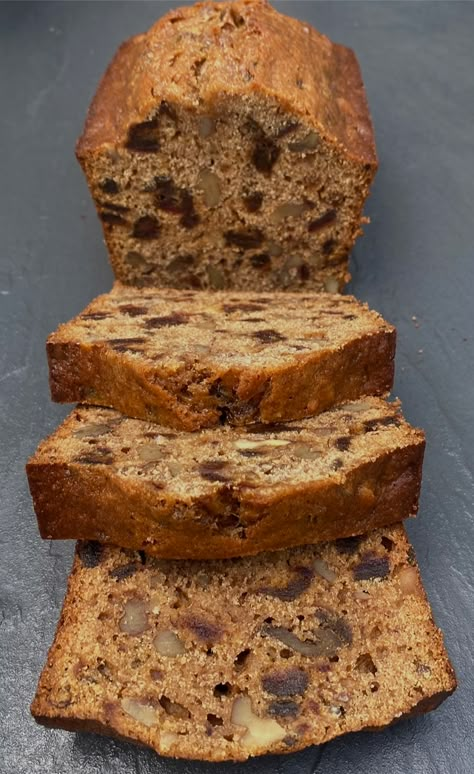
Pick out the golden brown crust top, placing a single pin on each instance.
(197, 54)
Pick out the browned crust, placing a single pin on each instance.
(72, 501)
(93, 374)
(142, 73)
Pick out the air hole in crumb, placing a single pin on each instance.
(365, 663)
(285, 653)
(92, 441)
(222, 689)
(142, 556)
(125, 449)
(300, 617)
(209, 652)
(214, 720)
(387, 543)
(334, 659)
(239, 661)
(268, 620)
(229, 737)
(374, 687)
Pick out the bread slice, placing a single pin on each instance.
(225, 660)
(226, 491)
(230, 147)
(194, 359)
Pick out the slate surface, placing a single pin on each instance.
(416, 259)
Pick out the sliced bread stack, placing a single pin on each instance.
(234, 473)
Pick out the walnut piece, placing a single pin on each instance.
(168, 644)
(261, 732)
(288, 210)
(210, 185)
(134, 619)
(260, 446)
(140, 711)
(324, 570)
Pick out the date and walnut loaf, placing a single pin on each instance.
(191, 359)
(225, 491)
(226, 660)
(230, 147)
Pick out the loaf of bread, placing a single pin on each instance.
(230, 147)
(192, 359)
(225, 660)
(226, 491)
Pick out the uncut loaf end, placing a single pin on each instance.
(215, 165)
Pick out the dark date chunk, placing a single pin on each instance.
(109, 186)
(371, 567)
(348, 545)
(246, 239)
(133, 311)
(166, 320)
(253, 201)
(243, 307)
(301, 580)
(90, 553)
(101, 455)
(204, 630)
(112, 219)
(211, 470)
(125, 345)
(343, 443)
(283, 708)
(286, 682)
(95, 316)
(124, 571)
(318, 224)
(329, 623)
(265, 154)
(146, 227)
(374, 424)
(143, 137)
(260, 260)
(268, 336)
(178, 201)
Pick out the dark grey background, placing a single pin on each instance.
(415, 260)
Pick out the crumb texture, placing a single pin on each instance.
(226, 491)
(302, 646)
(190, 359)
(212, 166)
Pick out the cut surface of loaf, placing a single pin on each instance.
(191, 359)
(226, 660)
(226, 491)
(215, 164)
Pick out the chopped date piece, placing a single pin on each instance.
(374, 424)
(124, 345)
(95, 316)
(212, 470)
(169, 319)
(348, 545)
(132, 310)
(146, 227)
(118, 208)
(124, 571)
(301, 580)
(283, 708)
(371, 568)
(246, 239)
(144, 137)
(253, 201)
(112, 218)
(265, 154)
(90, 553)
(109, 186)
(204, 630)
(324, 220)
(229, 308)
(343, 443)
(268, 336)
(260, 259)
(286, 682)
(330, 622)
